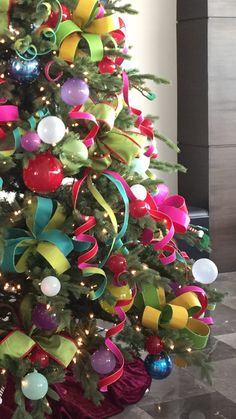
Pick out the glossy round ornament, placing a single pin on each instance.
(40, 358)
(106, 66)
(23, 71)
(43, 318)
(117, 263)
(30, 141)
(158, 366)
(204, 271)
(103, 361)
(50, 286)
(54, 16)
(43, 174)
(75, 92)
(34, 386)
(138, 208)
(154, 345)
(51, 129)
(120, 293)
(73, 154)
(139, 191)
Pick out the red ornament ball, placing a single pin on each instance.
(54, 16)
(138, 208)
(154, 345)
(43, 174)
(106, 66)
(39, 357)
(117, 263)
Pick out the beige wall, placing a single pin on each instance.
(153, 36)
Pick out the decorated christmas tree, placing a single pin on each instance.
(91, 272)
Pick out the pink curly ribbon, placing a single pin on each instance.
(76, 114)
(111, 379)
(9, 113)
(149, 132)
(47, 72)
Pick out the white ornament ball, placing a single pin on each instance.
(50, 286)
(51, 129)
(205, 271)
(139, 192)
(141, 164)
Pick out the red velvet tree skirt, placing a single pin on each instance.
(72, 405)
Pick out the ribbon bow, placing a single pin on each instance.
(43, 219)
(176, 314)
(5, 6)
(18, 345)
(84, 26)
(115, 143)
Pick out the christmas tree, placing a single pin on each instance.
(88, 233)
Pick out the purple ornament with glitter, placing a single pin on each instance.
(74, 92)
(30, 141)
(103, 361)
(44, 318)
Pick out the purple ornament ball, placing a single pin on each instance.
(74, 92)
(43, 318)
(103, 361)
(30, 141)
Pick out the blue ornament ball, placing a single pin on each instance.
(23, 71)
(158, 366)
(34, 386)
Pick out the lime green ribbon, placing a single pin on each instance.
(176, 314)
(18, 345)
(5, 6)
(123, 146)
(44, 218)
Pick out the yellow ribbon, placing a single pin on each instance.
(84, 25)
(174, 315)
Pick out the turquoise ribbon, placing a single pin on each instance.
(44, 237)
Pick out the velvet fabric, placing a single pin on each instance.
(72, 405)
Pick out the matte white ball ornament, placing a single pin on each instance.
(139, 191)
(204, 271)
(51, 129)
(50, 286)
(140, 165)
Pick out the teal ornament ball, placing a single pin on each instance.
(23, 71)
(158, 366)
(34, 386)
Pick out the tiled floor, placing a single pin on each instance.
(183, 395)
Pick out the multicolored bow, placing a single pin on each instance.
(115, 143)
(85, 26)
(177, 313)
(44, 218)
(18, 345)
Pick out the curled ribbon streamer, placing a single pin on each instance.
(176, 314)
(47, 72)
(47, 34)
(43, 237)
(148, 132)
(83, 241)
(5, 7)
(111, 379)
(18, 345)
(203, 301)
(84, 26)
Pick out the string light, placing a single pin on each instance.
(2, 41)
(86, 332)
(138, 328)
(2, 76)
(82, 284)
(74, 360)
(189, 350)
(29, 201)
(104, 231)
(133, 272)
(3, 371)
(105, 215)
(91, 315)
(145, 267)
(172, 346)
(94, 176)
(41, 89)
(72, 66)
